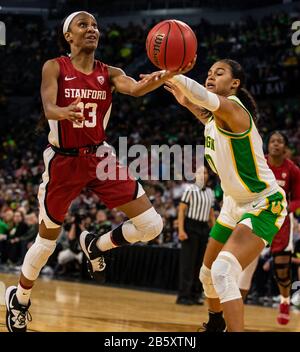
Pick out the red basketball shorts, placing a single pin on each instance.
(283, 240)
(66, 176)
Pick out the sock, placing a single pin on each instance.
(23, 294)
(115, 238)
(104, 243)
(285, 300)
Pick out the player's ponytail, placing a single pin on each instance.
(247, 99)
(242, 93)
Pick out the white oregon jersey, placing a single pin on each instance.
(239, 161)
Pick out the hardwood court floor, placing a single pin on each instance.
(70, 306)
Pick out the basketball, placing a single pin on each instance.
(171, 44)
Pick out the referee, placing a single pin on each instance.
(195, 217)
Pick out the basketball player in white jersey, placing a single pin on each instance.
(254, 206)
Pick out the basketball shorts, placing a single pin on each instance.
(264, 216)
(66, 176)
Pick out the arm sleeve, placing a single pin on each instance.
(196, 93)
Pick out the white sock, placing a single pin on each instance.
(104, 243)
(285, 300)
(23, 295)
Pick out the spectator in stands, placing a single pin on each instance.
(27, 238)
(13, 248)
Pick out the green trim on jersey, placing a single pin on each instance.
(220, 232)
(235, 134)
(211, 163)
(243, 156)
(210, 118)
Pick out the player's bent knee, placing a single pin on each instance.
(207, 283)
(283, 274)
(143, 227)
(225, 272)
(37, 256)
(282, 268)
(154, 228)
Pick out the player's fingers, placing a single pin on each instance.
(78, 116)
(190, 65)
(76, 101)
(75, 121)
(78, 123)
(166, 73)
(75, 108)
(146, 79)
(170, 84)
(169, 89)
(158, 75)
(144, 75)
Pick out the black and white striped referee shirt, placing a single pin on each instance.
(199, 202)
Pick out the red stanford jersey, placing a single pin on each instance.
(96, 100)
(288, 177)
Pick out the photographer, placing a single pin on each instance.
(70, 258)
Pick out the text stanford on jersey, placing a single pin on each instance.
(85, 93)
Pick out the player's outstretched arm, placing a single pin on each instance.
(198, 111)
(49, 88)
(127, 85)
(224, 109)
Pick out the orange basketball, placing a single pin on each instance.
(171, 44)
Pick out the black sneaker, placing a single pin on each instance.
(216, 323)
(206, 327)
(17, 315)
(95, 257)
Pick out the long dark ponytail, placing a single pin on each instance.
(242, 93)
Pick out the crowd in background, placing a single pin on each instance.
(272, 67)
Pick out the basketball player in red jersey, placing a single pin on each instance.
(287, 175)
(76, 92)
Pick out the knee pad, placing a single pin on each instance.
(207, 283)
(225, 272)
(152, 229)
(246, 275)
(144, 227)
(37, 256)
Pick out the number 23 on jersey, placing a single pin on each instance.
(92, 113)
